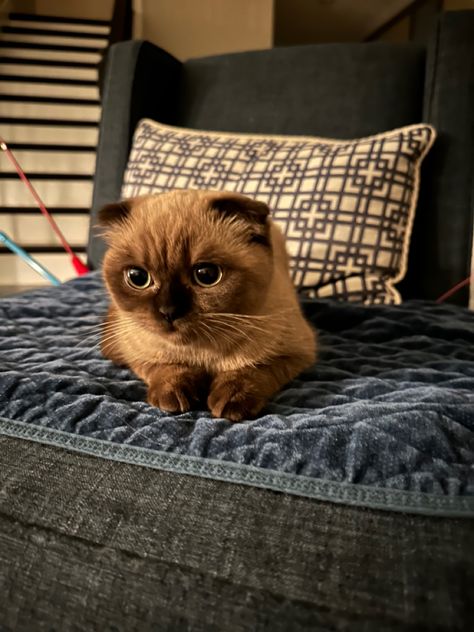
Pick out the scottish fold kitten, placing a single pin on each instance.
(202, 305)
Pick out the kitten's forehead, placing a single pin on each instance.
(173, 229)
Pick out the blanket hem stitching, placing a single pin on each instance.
(318, 489)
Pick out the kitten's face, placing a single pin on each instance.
(178, 259)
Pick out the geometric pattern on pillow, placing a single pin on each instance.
(346, 207)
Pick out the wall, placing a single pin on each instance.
(91, 9)
(420, 26)
(7, 6)
(456, 5)
(308, 21)
(399, 32)
(194, 28)
(191, 28)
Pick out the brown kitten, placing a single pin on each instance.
(202, 302)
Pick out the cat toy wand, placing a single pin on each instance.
(27, 258)
(79, 267)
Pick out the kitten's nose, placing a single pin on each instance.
(169, 313)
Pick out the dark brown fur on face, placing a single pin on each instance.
(232, 345)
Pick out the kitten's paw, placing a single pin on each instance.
(177, 389)
(168, 399)
(234, 400)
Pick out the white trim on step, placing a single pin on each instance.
(61, 26)
(56, 72)
(54, 111)
(54, 162)
(50, 134)
(68, 91)
(61, 193)
(56, 40)
(59, 55)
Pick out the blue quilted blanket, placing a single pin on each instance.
(385, 418)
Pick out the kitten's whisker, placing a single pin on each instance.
(223, 332)
(237, 323)
(260, 325)
(84, 341)
(257, 326)
(234, 326)
(112, 336)
(237, 319)
(205, 327)
(202, 332)
(254, 316)
(102, 339)
(237, 335)
(100, 328)
(239, 332)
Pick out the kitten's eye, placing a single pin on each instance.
(138, 278)
(207, 274)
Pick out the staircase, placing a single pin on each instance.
(49, 116)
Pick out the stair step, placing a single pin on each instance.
(34, 230)
(33, 210)
(82, 114)
(50, 63)
(65, 81)
(12, 267)
(50, 92)
(23, 16)
(39, 176)
(53, 33)
(21, 132)
(37, 42)
(48, 147)
(45, 99)
(53, 192)
(17, 51)
(51, 162)
(61, 26)
(23, 72)
(40, 248)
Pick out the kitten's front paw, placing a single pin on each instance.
(233, 399)
(171, 400)
(176, 389)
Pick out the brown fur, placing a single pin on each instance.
(239, 341)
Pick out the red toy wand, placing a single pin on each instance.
(79, 267)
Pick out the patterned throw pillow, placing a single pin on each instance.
(346, 207)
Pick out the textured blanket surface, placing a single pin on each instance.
(388, 406)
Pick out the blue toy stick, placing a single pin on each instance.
(37, 267)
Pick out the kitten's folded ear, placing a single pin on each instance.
(113, 213)
(236, 204)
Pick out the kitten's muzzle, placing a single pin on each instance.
(169, 313)
(172, 302)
